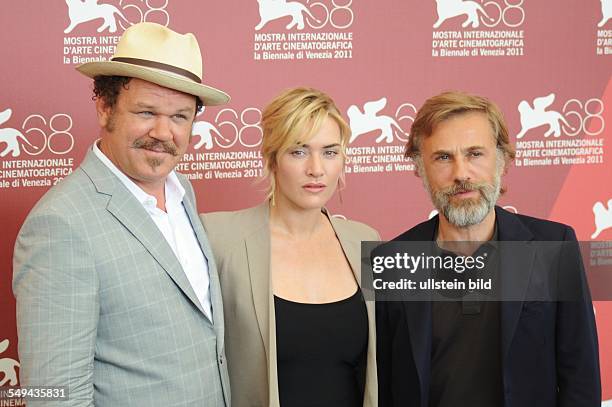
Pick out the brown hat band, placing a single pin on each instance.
(158, 65)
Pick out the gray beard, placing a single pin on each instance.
(469, 211)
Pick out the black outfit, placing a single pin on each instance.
(321, 351)
(465, 359)
(548, 349)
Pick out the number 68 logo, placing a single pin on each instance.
(584, 117)
(511, 14)
(338, 15)
(230, 127)
(136, 13)
(59, 141)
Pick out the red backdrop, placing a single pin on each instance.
(546, 63)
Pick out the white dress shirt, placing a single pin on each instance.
(174, 224)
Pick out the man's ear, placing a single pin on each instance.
(417, 167)
(103, 111)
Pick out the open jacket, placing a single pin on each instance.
(103, 305)
(549, 350)
(241, 246)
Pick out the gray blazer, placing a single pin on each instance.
(241, 244)
(103, 304)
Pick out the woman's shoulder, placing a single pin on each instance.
(354, 229)
(235, 223)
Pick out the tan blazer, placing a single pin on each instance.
(241, 245)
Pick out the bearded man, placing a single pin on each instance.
(516, 352)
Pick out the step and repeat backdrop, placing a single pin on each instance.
(546, 63)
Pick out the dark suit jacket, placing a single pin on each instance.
(549, 349)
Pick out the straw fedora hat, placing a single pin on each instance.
(157, 54)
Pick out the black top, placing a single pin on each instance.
(321, 352)
(466, 345)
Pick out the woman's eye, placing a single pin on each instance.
(298, 153)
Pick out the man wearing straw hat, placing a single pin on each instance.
(117, 292)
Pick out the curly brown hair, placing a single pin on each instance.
(108, 88)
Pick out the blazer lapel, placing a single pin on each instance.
(215, 286)
(352, 251)
(257, 246)
(418, 318)
(419, 314)
(350, 243)
(129, 212)
(196, 224)
(516, 265)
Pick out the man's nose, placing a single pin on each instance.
(461, 169)
(161, 129)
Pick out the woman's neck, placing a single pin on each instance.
(295, 223)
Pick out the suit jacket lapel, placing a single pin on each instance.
(419, 314)
(516, 265)
(351, 251)
(198, 229)
(419, 321)
(215, 286)
(351, 246)
(257, 246)
(129, 212)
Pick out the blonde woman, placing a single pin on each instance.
(298, 332)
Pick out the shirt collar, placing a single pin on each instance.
(491, 244)
(173, 189)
